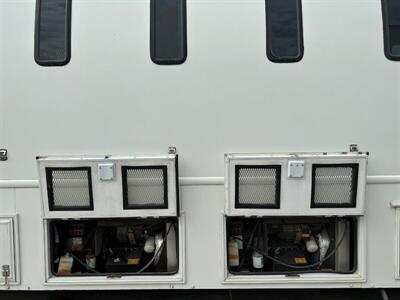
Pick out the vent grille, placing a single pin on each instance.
(334, 185)
(69, 189)
(145, 187)
(258, 186)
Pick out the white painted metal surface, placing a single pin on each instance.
(226, 98)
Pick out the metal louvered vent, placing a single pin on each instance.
(145, 187)
(69, 189)
(334, 186)
(257, 186)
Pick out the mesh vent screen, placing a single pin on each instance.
(69, 189)
(257, 187)
(335, 185)
(145, 187)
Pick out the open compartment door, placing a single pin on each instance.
(302, 184)
(108, 186)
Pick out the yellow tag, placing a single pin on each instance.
(305, 235)
(133, 261)
(300, 260)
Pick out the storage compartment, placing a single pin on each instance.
(291, 245)
(113, 247)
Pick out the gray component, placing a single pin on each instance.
(342, 256)
(159, 247)
(172, 259)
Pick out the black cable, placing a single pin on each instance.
(317, 264)
(249, 243)
(157, 252)
(83, 264)
(230, 295)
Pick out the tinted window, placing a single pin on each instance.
(284, 30)
(168, 31)
(53, 32)
(391, 24)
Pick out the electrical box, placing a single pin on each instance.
(296, 169)
(106, 171)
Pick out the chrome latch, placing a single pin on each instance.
(3, 155)
(172, 150)
(5, 272)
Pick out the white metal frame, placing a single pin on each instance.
(12, 221)
(108, 195)
(178, 278)
(396, 207)
(295, 196)
(358, 276)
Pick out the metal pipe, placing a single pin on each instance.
(19, 184)
(387, 179)
(192, 181)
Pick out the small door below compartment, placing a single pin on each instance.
(9, 249)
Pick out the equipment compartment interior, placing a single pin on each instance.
(113, 247)
(291, 245)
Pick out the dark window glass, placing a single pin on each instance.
(168, 31)
(284, 30)
(53, 32)
(391, 24)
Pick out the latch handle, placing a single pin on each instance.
(5, 272)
